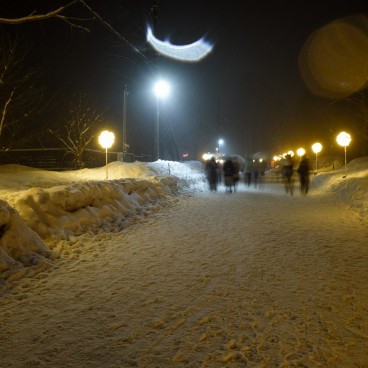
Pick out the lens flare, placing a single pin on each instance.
(334, 60)
(191, 53)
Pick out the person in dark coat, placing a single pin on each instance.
(211, 173)
(304, 171)
(228, 170)
(236, 173)
(248, 172)
(287, 172)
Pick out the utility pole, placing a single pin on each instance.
(125, 119)
(154, 14)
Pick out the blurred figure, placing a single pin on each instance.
(303, 171)
(261, 176)
(287, 172)
(236, 173)
(211, 173)
(255, 172)
(219, 173)
(248, 172)
(228, 170)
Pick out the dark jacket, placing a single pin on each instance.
(228, 168)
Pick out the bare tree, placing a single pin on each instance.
(59, 13)
(20, 90)
(79, 130)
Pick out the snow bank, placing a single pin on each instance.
(351, 188)
(45, 209)
(19, 245)
(68, 210)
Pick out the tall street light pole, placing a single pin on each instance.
(317, 148)
(106, 140)
(300, 151)
(157, 131)
(125, 120)
(344, 139)
(161, 90)
(220, 143)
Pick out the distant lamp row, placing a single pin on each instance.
(343, 139)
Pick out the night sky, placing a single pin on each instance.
(249, 91)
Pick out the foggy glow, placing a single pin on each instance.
(162, 88)
(300, 152)
(192, 52)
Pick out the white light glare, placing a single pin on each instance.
(162, 88)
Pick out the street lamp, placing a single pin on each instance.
(343, 139)
(316, 147)
(300, 152)
(161, 90)
(106, 140)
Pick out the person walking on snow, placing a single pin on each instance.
(228, 170)
(236, 174)
(287, 172)
(304, 171)
(211, 173)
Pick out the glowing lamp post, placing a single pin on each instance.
(161, 89)
(220, 143)
(343, 139)
(300, 152)
(106, 140)
(317, 148)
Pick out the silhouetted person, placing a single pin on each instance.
(236, 173)
(255, 171)
(304, 171)
(211, 173)
(287, 172)
(261, 173)
(248, 172)
(228, 171)
(219, 173)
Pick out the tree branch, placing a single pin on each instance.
(113, 30)
(5, 109)
(57, 13)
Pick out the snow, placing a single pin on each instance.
(148, 268)
(43, 207)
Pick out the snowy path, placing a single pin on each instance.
(251, 279)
